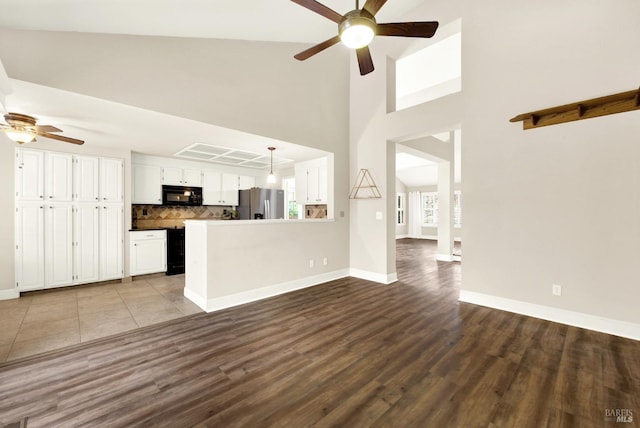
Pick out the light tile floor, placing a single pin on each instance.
(46, 320)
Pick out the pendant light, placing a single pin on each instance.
(271, 178)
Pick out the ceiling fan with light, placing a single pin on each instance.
(22, 128)
(357, 28)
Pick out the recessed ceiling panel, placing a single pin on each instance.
(229, 156)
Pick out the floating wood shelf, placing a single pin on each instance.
(617, 103)
(365, 187)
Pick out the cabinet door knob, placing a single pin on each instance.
(50, 197)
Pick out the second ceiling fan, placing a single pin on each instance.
(357, 28)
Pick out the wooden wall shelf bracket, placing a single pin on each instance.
(611, 104)
(365, 187)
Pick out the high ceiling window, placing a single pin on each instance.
(430, 73)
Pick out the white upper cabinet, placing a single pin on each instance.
(147, 184)
(311, 181)
(246, 182)
(220, 188)
(58, 184)
(111, 180)
(174, 176)
(29, 175)
(192, 177)
(211, 185)
(44, 176)
(86, 179)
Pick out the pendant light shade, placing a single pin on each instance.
(271, 178)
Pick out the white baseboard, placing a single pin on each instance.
(402, 236)
(218, 303)
(562, 316)
(444, 257)
(374, 276)
(195, 298)
(9, 294)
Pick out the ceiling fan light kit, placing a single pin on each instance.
(22, 128)
(20, 136)
(357, 28)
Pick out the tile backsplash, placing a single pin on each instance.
(149, 216)
(315, 211)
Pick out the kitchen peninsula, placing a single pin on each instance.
(229, 263)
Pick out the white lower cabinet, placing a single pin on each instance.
(61, 244)
(86, 243)
(58, 245)
(148, 251)
(30, 246)
(111, 241)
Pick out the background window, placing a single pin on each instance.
(430, 73)
(430, 209)
(400, 208)
(289, 185)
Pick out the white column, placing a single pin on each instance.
(445, 211)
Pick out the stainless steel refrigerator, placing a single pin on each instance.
(259, 203)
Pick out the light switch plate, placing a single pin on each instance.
(378, 215)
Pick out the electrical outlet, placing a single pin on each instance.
(556, 290)
(325, 261)
(311, 264)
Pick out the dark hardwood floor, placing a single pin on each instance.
(348, 353)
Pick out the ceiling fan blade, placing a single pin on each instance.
(364, 60)
(320, 9)
(373, 6)
(60, 138)
(317, 48)
(47, 128)
(408, 29)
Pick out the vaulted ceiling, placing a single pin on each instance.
(50, 78)
(261, 20)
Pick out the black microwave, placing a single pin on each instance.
(180, 195)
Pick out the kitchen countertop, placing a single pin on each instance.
(259, 222)
(155, 228)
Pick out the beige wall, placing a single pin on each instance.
(7, 214)
(558, 204)
(554, 205)
(219, 256)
